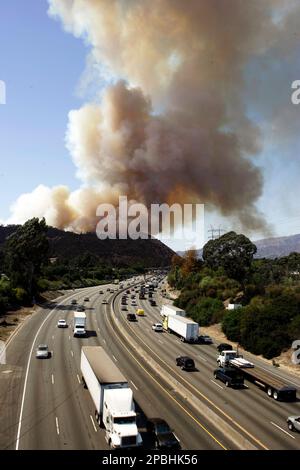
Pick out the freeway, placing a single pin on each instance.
(250, 411)
(44, 404)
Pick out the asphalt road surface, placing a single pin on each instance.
(44, 405)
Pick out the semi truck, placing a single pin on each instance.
(186, 329)
(232, 358)
(274, 386)
(79, 324)
(167, 310)
(112, 397)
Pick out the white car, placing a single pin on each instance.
(157, 327)
(42, 352)
(62, 324)
(104, 302)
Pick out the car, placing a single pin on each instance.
(80, 308)
(62, 324)
(185, 362)
(100, 291)
(124, 308)
(205, 339)
(224, 347)
(132, 296)
(229, 376)
(157, 327)
(140, 312)
(104, 302)
(42, 352)
(161, 434)
(133, 303)
(293, 423)
(128, 292)
(73, 302)
(131, 317)
(152, 303)
(86, 299)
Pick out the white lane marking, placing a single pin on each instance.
(115, 358)
(57, 425)
(98, 328)
(69, 337)
(160, 341)
(26, 375)
(216, 384)
(93, 423)
(53, 337)
(134, 385)
(78, 378)
(52, 379)
(72, 354)
(283, 430)
(201, 357)
(104, 341)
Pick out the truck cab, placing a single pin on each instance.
(119, 418)
(231, 357)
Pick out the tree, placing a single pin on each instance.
(233, 252)
(191, 263)
(25, 252)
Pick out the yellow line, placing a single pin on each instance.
(187, 412)
(202, 395)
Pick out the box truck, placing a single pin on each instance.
(167, 310)
(186, 329)
(79, 322)
(112, 397)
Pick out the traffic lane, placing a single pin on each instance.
(237, 410)
(151, 397)
(34, 415)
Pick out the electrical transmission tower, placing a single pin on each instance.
(213, 230)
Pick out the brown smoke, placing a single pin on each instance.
(173, 125)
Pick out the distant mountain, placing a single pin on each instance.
(149, 252)
(274, 247)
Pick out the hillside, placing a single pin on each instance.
(150, 252)
(274, 247)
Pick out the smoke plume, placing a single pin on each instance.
(170, 124)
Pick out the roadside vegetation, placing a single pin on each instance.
(26, 271)
(268, 290)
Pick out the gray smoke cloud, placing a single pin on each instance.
(172, 124)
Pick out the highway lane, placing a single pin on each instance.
(251, 408)
(153, 398)
(12, 375)
(57, 412)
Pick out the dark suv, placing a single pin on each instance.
(231, 377)
(131, 317)
(161, 435)
(224, 347)
(185, 362)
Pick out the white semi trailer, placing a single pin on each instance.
(112, 397)
(186, 329)
(167, 310)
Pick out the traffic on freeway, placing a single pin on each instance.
(93, 379)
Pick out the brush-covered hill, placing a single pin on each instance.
(67, 245)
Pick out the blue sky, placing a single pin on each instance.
(42, 65)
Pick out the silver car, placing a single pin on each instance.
(42, 352)
(294, 423)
